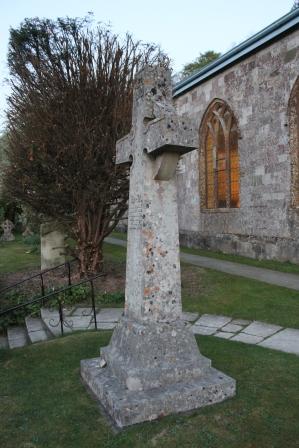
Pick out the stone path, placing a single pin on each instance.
(255, 333)
(264, 275)
(81, 318)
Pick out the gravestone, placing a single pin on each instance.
(52, 245)
(7, 227)
(152, 366)
(27, 232)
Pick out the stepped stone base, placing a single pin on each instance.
(129, 407)
(153, 369)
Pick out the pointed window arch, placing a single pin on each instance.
(294, 143)
(219, 158)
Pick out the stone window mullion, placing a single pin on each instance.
(221, 160)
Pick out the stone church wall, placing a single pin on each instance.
(257, 90)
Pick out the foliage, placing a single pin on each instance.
(75, 295)
(33, 241)
(295, 5)
(112, 297)
(201, 61)
(9, 208)
(17, 317)
(71, 101)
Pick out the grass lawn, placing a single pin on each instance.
(203, 290)
(44, 404)
(15, 256)
(213, 292)
(269, 264)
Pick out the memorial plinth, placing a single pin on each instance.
(152, 366)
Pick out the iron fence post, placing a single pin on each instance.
(42, 284)
(60, 315)
(69, 272)
(93, 305)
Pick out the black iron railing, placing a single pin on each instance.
(67, 265)
(47, 298)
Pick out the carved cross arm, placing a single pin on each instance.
(124, 149)
(171, 134)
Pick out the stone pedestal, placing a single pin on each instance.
(152, 371)
(52, 245)
(152, 366)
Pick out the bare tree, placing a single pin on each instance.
(71, 101)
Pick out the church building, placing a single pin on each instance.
(239, 193)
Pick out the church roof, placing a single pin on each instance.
(277, 29)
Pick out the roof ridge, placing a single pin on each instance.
(266, 35)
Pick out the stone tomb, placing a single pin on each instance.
(152, 366)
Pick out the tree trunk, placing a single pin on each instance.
(89, 242)
(90, 258)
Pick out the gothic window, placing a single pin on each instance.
(219, 135)
(294, 142)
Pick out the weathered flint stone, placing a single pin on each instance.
(152, 366)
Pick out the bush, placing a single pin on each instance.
(77, 294)
(111, 297)
(17, 317)
(71, 297)
(32, 240)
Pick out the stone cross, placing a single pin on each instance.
(7, 227)
(157, 140)
(152, 365)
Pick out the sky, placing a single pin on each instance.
(183, 29)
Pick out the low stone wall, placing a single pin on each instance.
(267, 248)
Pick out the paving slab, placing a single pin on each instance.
(68, 310)
(52, 322)
(232, 328)
(211, 320)
(79, 322)
(242, 322)
(200, 329)
(109, 314)
(36, 330)
(189, 317)
(247, 338)
(83, 311)
(17, 337)
(223, 335)
(261, 329)
(106, 325)
(3, 342)
(286, 341)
